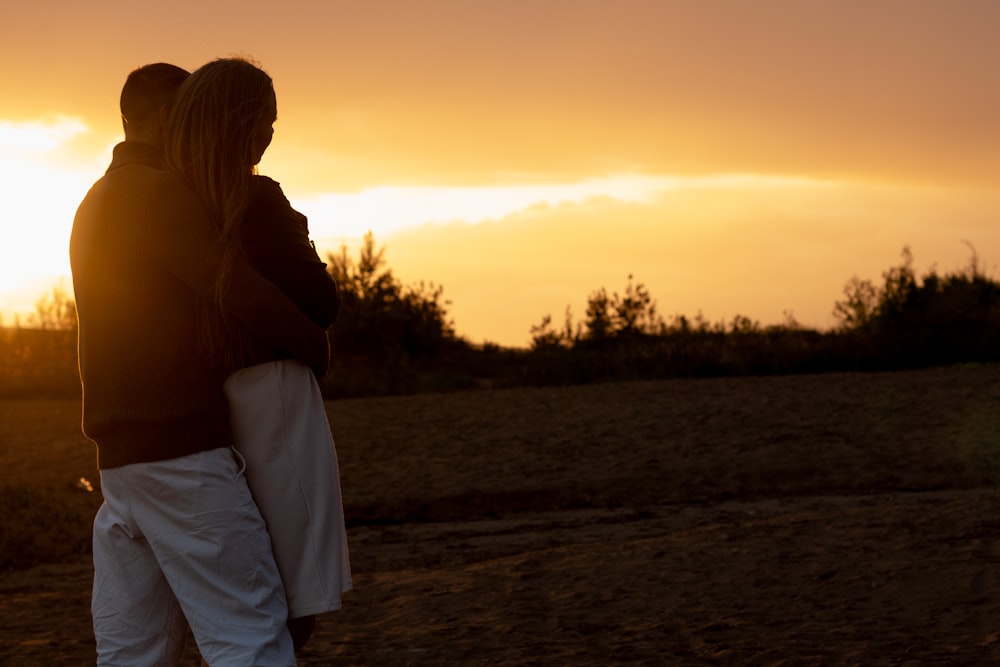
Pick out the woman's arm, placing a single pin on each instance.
(187, 245)
(276, 241)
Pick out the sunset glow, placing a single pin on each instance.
(41, 191)
(735, 157)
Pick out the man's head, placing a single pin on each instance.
(146, 98)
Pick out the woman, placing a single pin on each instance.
(220, 125)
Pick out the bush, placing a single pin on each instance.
(912, 322)
(388, 335)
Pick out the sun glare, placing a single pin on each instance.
(40, 197)
(35, 137)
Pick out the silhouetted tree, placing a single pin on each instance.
(635, 311)
(544, 336)
(384, 326)
(599, 325)
(55, 311)
(40, 356)
(632, 313)
(859, 305)
(912, 321)
(898, 289)
(743, 325)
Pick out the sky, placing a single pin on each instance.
(735, 157)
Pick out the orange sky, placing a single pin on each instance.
(856, 128)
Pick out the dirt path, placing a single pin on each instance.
(886, 579)
(840, 519)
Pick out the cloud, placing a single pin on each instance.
(39, 136)
(387, 210)
(391, 209)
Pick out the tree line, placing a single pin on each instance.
(393, 337)
(906, 322)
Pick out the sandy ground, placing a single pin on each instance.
(817, 520)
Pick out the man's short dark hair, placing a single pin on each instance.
(147, 90)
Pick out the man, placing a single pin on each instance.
(178, 540)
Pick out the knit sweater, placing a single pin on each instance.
(144, 256)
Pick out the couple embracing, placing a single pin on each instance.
(203, 310)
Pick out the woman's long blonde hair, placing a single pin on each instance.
(211, 143)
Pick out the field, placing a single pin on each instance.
(839, 519)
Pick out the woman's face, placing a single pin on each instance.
(265, 130)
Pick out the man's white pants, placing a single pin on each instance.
(181, 543)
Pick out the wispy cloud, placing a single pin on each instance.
(390, 209)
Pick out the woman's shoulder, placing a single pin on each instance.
(267, 185)
(269, 203)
